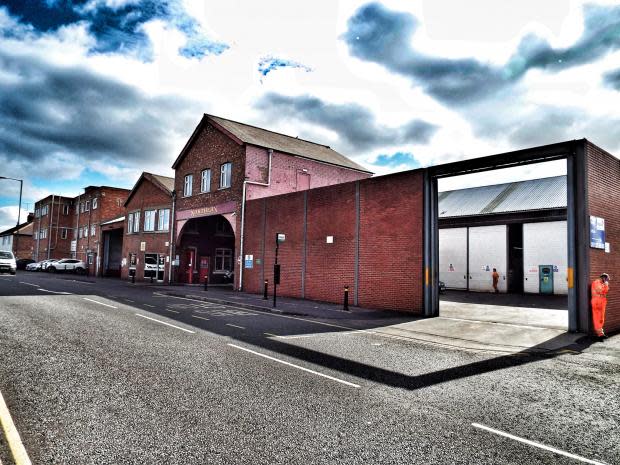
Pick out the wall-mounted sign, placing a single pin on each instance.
(451, 267)
(280, 237)
(597, 232)
(329, 239)
(142, 246)
(73, 245)
(249, 261)
(227, 207)
(607, 247)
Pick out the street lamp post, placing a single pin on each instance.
(19, 206)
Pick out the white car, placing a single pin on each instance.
(7, 262)
(46, 263)
(67, 264)
(36, 266)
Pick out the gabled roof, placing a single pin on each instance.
(24, 229)
(246, 134)
(535, 194)
(165, 183)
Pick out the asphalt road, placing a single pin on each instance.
(110, 373)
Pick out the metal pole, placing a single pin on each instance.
(346, 299)
(265, 289)
(275, 282)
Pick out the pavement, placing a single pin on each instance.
(105, 372)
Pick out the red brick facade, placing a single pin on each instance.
(147, 195)
(97, 205)
(53, 228)
(379, 220)
(603, 200)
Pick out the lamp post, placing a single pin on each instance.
(19, 207)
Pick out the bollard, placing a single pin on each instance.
(265, 289)
(206, 283)
(346, 299)
(151, 279)
(133, 279)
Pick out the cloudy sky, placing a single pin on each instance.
(96, 91)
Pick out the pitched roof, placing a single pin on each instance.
(253, 135)
(535, 194)
(164, 183)
(23, 229)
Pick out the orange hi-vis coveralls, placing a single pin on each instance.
(599, 302)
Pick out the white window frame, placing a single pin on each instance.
(43, 234)
(95, 203)
(225, 175)
(93, 229)
(85, 231)
(136, 221)
(80, 231)
(87, 206)
(44, 210)
(149, 220)
(63, 233)
(163, 219)
(81, 207)
(65, 208)
(226, 256)
(188, 182)
(205, 180)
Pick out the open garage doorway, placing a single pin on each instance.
(206, 249)
(500, 235)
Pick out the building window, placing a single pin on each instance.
(37, 213)
(223, 260)
(81, 207)
(93, 229)
(187, 186)
(133, 222)
(222, 227)
(85, 231)
(79, 233)
(163, 219)
(65, 209)
(87, 206)
(225, 175)
(63, 233)
(95, 203)
(205, 181)
(44, 210)
(149, 220)
(43, 234)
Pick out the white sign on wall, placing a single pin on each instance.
(73, 245)
(329, 239)
(142, 246)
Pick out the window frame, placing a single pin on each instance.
(95, 203)
(187, 177)
(205, 187)
(63, 233)
(226, 175)
(223, 253)
(149, 215)
(166, 217)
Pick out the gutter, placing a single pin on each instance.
(172, 224)
(245, 183)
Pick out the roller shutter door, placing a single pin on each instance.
(453, 257)
(487, 250)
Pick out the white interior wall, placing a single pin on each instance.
(453, 257)
(545, 244)
(487, 250)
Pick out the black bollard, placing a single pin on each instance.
(265, 289)
(151, 279)
(346, 299)
(206, 283)
(133, 278)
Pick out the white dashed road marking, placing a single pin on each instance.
(295, 366)
(235, 326)
(148, 305)
(29, 284)
(54, 292)
(100, 303)
(536, 444)
(200, 317)
(164, 323)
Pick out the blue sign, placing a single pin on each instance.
(249, 261)
(597, 233)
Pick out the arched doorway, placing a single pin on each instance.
(206, 249)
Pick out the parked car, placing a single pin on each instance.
(7, 262)
(67, 264)
(46, 263)
(22, 263)
(35, 266)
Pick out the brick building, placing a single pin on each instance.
(146, 242)
(98, 204)
(19, 239)
(379, 236)
(53, 227)
(225, 163)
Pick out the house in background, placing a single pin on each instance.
(19, 239)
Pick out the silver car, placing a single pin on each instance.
(7, 262)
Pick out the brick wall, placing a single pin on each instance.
(147, 196)
(603, 200)
(54, 246)
(390, 242)
(22, 245)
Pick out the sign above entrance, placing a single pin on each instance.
(220, 209)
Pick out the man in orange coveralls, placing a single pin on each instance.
(600, 288)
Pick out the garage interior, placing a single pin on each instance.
(517, 228)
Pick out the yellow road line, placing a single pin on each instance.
(20, 456)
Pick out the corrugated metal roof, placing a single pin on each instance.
(535, 194)
(283, 143)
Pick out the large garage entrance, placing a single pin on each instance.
(206, 249)
(491, 231)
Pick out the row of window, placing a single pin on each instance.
(85, 206)
(154, 220)
(44, 210)
(64, 232)
(205, 180)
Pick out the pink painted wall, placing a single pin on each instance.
(287, 175)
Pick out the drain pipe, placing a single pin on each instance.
(245, 183)
(171, 225)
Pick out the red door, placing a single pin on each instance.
(204, 269)
(190, 258)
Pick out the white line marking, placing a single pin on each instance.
(81, 282)
(54, 292)
(300, 336)
(172, 311)
(29, 284)
(536, 444)
(148, 305)
(164, 323)
(295, 366)
(20, 456)
(200, 317)
(100, 303)
(128, 300)
(235, 326)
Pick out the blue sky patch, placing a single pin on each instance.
(268, 64)
(397, 159)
